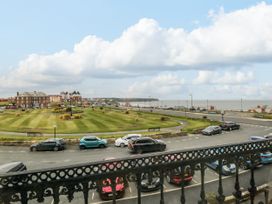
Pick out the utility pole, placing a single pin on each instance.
(241, 105)
(207, 105)
(191, 95)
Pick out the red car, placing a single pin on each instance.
(104, 186)
(105, 190)
(174, 176)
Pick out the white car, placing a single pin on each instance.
(122, 142)
(269, 136)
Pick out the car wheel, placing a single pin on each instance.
(122, 145)
(230, 129)
(82, 147)
(102, 146)
(33, 149)
(139, 151)
(56, 149)
(243, 166)
(162, 148)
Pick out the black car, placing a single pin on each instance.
(60, 140)
(212, 130)
(229, 126)
(47, 146)
(150, 181)
(146, 144)
(12, 167)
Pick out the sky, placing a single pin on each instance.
(212, 49)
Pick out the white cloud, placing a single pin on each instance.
(163, 84)
(237, 38)
(227, 77)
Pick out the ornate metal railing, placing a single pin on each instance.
(56, 182)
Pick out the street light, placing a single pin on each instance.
(222, 113)
(55, 130)
(191, 95)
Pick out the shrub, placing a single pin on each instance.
(69, 109)
(18, 114)
(65, 117)
(76, 116)
(127, 112)
(163, 118)
(101, 108)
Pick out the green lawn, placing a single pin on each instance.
(106, 120)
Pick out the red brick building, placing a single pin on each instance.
(31, 100)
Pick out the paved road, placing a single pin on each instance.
(36, 160)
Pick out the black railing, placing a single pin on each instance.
(55, 182)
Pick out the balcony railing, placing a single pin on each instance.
(66, 181)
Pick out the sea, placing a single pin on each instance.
(235, 105)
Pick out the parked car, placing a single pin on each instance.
(150, 181)
(92, 141)
(227, 168)
(266, 157)
(268, 136)
(146, 144)
(47, 146)
(12, 167)
(212, 130)
(247, 164)
(256, 138)
(174, 176)
(123, 141)
(104, 187)
(229, 126)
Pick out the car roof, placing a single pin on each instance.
(90, 136)
(134, 134)
(144, 138)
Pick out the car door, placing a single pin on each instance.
(90, 142)
(150, 145)
(42, 146)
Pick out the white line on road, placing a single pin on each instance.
(93, 196)
(130, 190)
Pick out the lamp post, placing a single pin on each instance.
(55, 130)
(70, 100)
(191, 95)
(222, 113)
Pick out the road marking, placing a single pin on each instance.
(194, 181)
(52, 201)
(164, 186)
(130, 190)
(93, 196)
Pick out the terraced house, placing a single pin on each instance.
(32, 100)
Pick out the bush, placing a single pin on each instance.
(65, 117)
(77, 116)
(101, 108)
(69, 109)
(127, 112)
(163, 118)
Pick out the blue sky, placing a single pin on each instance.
(164, 49)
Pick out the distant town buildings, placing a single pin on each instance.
(31, 100)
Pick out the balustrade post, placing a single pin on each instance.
(252, 190)
(202, 193)
(237, 194)
(138, 176)
(161, 185)
(220, 196)
(182, 197)
(113, 188)
(85, 192)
